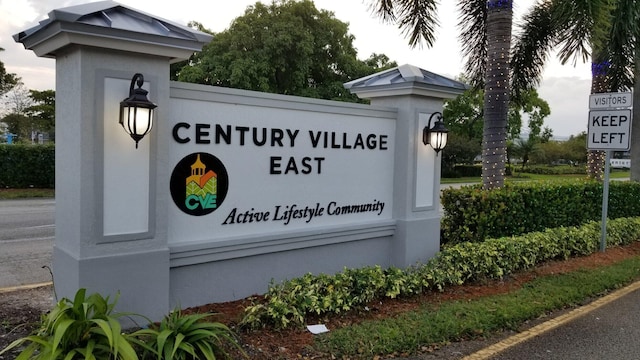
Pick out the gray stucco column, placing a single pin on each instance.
(107, 240)
(417, 94)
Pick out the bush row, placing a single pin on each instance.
(553, 170)
(23, 166)
(291, 302)
(458, 171)
(473, 214)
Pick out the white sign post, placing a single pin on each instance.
(609, 130)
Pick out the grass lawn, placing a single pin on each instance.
(616, 174)
(6, 194)
(451, 321)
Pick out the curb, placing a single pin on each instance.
(498, 347)
(24, 287)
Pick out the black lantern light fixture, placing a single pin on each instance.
(436, 136)
(136, 111)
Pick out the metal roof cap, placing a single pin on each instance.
(405, 80)
(108, 24)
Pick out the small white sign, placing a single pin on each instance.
(609, 130)
(610, 100)
(317, 329)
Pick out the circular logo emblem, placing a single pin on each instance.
(199, 184)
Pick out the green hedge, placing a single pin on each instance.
(462, 171)
(473, 214)
(23, 166)
(291, 302)
(552, 170)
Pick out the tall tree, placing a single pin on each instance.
(287, 47)
(7, 80)
(43, 110)
(486, 37)
(16, 102)
(635, 130)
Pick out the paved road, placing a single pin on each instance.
(608, 332)
(27, 230)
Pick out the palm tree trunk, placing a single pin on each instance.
(596, 158)
(496, 93)
(635, 130)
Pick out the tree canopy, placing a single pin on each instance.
(7, 80)
(287, 47)
(29, 112)
(464, 115)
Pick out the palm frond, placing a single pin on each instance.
(582, 26)
(473, 37)
(532, 45)
(383, 9)
(416, 18)
(620, 45)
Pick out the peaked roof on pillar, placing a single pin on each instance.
(405, 77)
(109, 19)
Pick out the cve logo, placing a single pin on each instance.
(199, 184)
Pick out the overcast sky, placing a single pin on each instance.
(566, 88)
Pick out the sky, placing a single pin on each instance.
(564, 87)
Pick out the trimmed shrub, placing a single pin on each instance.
(473, 214)
(290, 302)
(553, 170)
(462, 171)
(24, 166)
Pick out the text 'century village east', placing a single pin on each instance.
(206, 134)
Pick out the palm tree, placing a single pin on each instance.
(603, 30)
(525, 148)
(635, 130)
(486, 35)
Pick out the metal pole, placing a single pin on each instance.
(605, 201)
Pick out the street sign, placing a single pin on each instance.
(610, 100)
(609, 130)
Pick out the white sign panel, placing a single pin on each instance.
(609, 130)
(268, 166)
(610, 100)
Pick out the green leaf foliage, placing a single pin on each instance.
(7, 80)
(184, 337)
(88, 328)
(474, 319)
(474, 214)
(285, 47)
(85, 328)
(290, 302)
(23, 166)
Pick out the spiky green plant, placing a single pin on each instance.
(85, 328)
(184, 337)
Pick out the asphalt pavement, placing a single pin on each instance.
(604, 329)
(27, 231)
